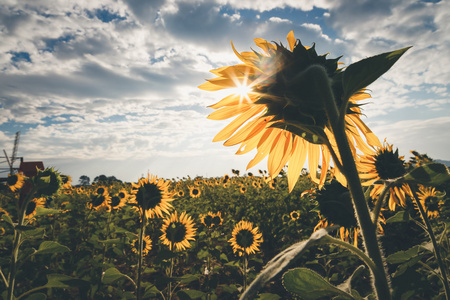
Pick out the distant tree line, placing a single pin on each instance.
(85, 180)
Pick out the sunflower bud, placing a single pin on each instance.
(47, 181)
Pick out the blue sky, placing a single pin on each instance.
(110, 87)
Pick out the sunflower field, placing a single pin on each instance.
(363, 223)
(206, 238)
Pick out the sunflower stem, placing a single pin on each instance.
(368, 230)
(381, 199)
(244, 271)
(21, 209)
(429, 230)
(141, 239)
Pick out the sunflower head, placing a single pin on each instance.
(146, 245)
(431, 201)
(194, 192)
(48, 182)
(66, 181)
(212, 219)
(245, 239)
(178, 231)
(383, 165)
(294, 215)
(32, 206)
(100, 202)
(15, 181)
(335, 204)
(151, 196)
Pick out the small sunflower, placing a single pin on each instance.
(177, 232)
(15, 181)
(295, 215)
(119, 200)
(32, 206)
(151, 196)
(101, 190)
(194, 192)
(243, 189)
(180, 193)
(430, 201)
(246, 239)
(277, 112)
(146, 245)
(211, 219)
(384, 164)
(66, 181)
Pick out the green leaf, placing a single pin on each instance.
(111, 241)
(268, 296)
(401, 216)
(190, 294)
(281, 261)
(42, 211)
(24, 228)
(403, 256)
(51, 247)
(64, 281)
(430, 174)
(188, 278)
(310, 286)
(362, 73)
(6, 218)
(346, 286)
(111, 275)
(37, 296)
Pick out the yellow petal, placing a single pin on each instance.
(247, 132)
(228, 112)
(313, 161)
(236, 123)
(263, 147)
(265, 45)
(291, 40)
(296, 161)
(279, 154)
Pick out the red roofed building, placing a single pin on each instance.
(29, 168)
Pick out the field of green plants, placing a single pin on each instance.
(82, 241)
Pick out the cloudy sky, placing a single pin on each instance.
(110, 87)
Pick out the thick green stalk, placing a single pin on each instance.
(437, 254)
(368, 230)
(16, 243)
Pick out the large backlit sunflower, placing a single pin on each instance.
(276, 110)
(384, 164)
(151, 196)
(177, 232)
(430, 201)
(245, 238)
(15, 181)
(32, 206)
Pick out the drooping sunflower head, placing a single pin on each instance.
(430, 200)
(178, 231)
(48, 182)
(15, 181)
(32, 206)
(278, 110)
(245, 239)
(151, 196)
(100, 202)
(211, 219)
(194, 192)
(117, 202)
(66, 181)
(146, 245)
(335, 204)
